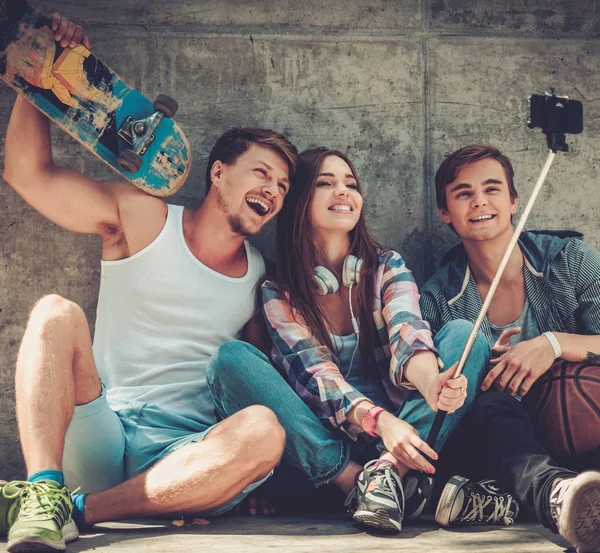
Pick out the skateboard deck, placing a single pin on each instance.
(90, 102)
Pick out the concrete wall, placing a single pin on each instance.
(395, 83)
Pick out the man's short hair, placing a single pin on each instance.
(463, 157)
(235, 142)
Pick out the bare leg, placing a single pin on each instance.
(401, 468)
(198, 477)
(55, 371)
(347, 479)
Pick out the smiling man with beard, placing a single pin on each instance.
(130, 419)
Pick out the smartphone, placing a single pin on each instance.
(556, 116)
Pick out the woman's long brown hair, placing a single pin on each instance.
(297, 256)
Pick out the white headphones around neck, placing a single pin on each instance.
(328, 284)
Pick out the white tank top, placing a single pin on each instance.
(161, 315)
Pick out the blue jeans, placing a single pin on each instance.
(239, 375)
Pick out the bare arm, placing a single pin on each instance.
(579, 348)
(126, 218)
(420, 369)
(521, 365)
(64, 196)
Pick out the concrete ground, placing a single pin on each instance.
(313, 534)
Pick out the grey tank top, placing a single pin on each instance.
(527, 322)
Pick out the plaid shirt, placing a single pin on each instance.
(310, 367)
(562, 281)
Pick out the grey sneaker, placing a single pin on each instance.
(575, 508)
(379, 497)
(465, 502)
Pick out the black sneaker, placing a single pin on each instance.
(418, 487)
(465, 502)
(379, 497)
(575, 508)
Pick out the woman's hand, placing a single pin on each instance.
(404, 443)
(438, 388)
(446, 393)
(68, 33)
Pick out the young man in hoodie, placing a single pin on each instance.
(547, 306)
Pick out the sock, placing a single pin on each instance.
(55, 475)
(78, 500)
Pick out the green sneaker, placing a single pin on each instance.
(9, 508)
(44, 521)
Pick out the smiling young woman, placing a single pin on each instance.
(358, 376)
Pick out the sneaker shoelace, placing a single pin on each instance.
(479, 502)
(40, 501)
(350, 503)
(388, 481)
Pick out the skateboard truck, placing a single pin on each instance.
(140, 134)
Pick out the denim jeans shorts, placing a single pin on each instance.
(103, 447)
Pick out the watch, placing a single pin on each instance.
(369, 421)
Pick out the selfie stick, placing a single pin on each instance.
(441, 415)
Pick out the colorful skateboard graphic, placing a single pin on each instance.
(90, 102)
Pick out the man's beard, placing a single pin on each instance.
(236, 223)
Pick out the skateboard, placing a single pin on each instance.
(90, 102)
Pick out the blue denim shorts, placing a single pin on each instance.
(103, 448)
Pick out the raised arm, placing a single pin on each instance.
(63, 195)
(124, 216)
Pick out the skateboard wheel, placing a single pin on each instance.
(166, 105)
(130, 161)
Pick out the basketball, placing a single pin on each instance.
(564, 405)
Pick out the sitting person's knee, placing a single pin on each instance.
(228, 360)
(459, 327)
(55, 306)
(483, 348)
(264, 431)
(52, 313)
(461, 330)
(495, 403)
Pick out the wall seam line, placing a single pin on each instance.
(428, 196)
